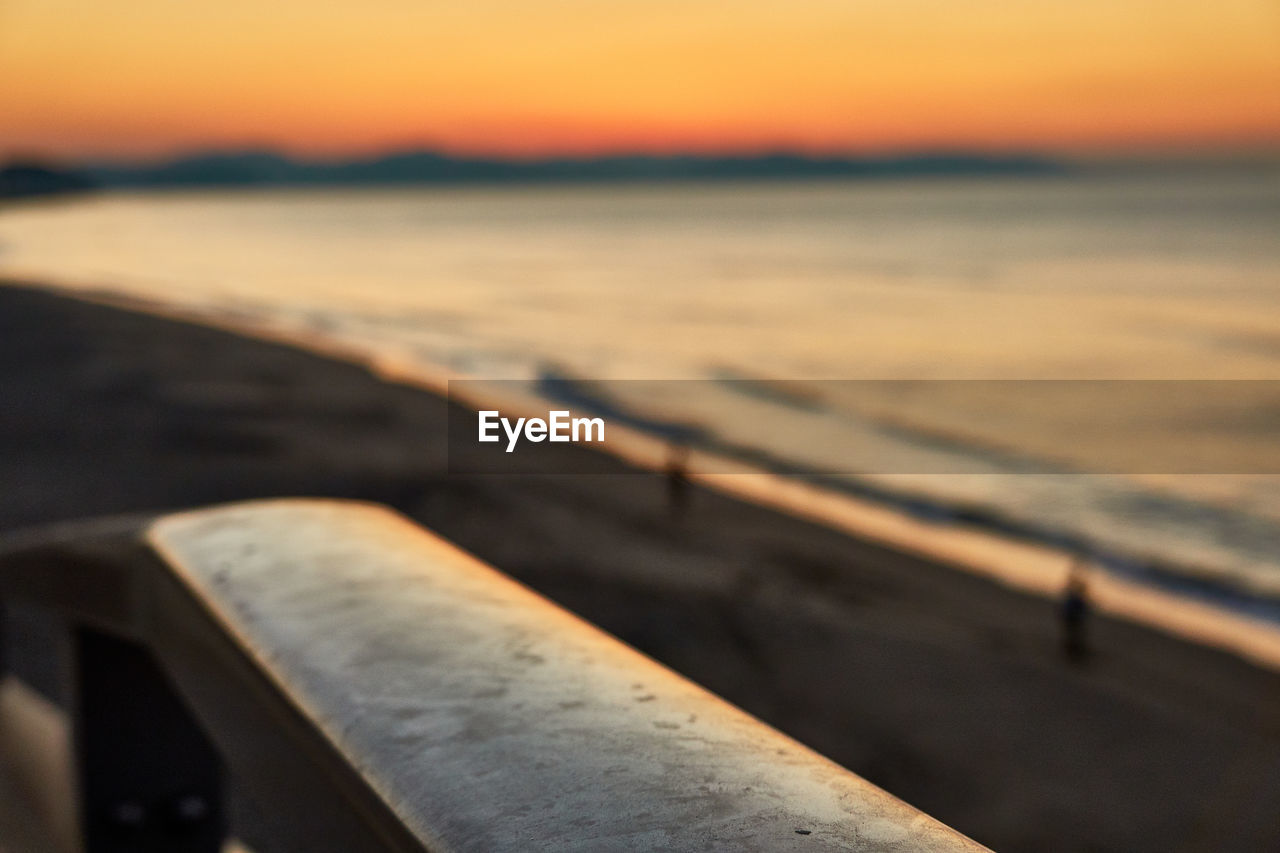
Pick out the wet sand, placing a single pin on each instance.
(944, 687)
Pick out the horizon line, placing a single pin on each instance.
(1154, 156)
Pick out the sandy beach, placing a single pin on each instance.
(946, 688)
(787, 305)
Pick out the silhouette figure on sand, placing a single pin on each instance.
(1074, 613)
(677, 471)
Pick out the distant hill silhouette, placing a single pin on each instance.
(263, 168)
(24, 179)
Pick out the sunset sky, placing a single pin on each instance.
(319, 77)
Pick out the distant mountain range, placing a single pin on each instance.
(22, 179)
(263, 168)
(421, 167)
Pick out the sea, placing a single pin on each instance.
(793, 315)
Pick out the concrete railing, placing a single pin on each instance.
(388, 692)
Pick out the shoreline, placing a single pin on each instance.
(948, 688)
(1020, 563)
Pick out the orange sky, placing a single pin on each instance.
(153, 77)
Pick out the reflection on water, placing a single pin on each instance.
(1169, 278)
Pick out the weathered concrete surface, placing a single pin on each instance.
(492, 720)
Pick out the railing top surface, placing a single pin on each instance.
(488, 718)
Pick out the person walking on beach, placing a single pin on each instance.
(1074, 613)
(677, 471)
